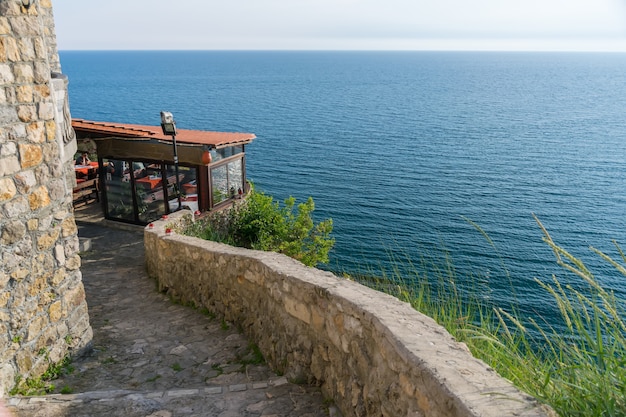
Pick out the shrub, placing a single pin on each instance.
(261, 223)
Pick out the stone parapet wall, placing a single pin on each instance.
(372, 354)
(43, 312)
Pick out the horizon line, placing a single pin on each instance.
(346, 50)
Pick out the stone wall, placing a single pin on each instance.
(372, 354)
(43, 312)
(44, 9)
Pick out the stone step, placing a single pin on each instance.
(84, 244)
(272, 397)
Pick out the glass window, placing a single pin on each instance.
(150, 195)
(188, 188)
(219, 177)
(155, 189)
(223, 153)
(227, 181)
(119, 195)
(235, 178)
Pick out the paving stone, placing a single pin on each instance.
(213, 390)
(280, 381)
(153, 358)
(14, 402)
(229, 369)
(182, 392)
(237, 388)
(162, 413)
(179, 350)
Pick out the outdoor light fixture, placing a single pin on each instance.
(169, 128)
(167, 122)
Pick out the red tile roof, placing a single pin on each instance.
(130, 131)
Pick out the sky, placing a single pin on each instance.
(527, 25)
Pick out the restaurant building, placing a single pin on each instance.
(135, 174)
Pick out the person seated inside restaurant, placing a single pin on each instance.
(83, 159)
(139, 170)
(121, 170)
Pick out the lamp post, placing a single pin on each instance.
(169, 128)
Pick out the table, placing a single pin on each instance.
(86, 170)
(150, 182)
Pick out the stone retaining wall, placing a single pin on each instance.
(372, 354)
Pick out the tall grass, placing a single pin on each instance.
(579, 368)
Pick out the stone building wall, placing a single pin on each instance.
(371, 353)
(43, 312)
(47, 31)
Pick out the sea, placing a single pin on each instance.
(425, 161)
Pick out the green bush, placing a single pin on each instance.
(261, 223)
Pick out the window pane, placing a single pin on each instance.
(219, 177)
(189, 190)
(150, 193)
(227, 181)
(118, 190)
(223, 153)
(235, 178)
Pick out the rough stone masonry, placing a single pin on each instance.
(372, 354)
(43, 312)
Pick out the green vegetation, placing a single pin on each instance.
(42, 385)
(31, 387)
(217, 368)
(154, 378)
(579, 369)
(261, 223)
(176, 367)
(205, 311)
(252, 356)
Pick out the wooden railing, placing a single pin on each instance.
(86, 192)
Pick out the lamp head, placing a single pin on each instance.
(168, 124)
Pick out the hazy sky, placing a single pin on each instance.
(342, 24)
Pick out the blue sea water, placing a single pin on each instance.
(403, 150)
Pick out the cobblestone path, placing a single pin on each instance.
(153, 358)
